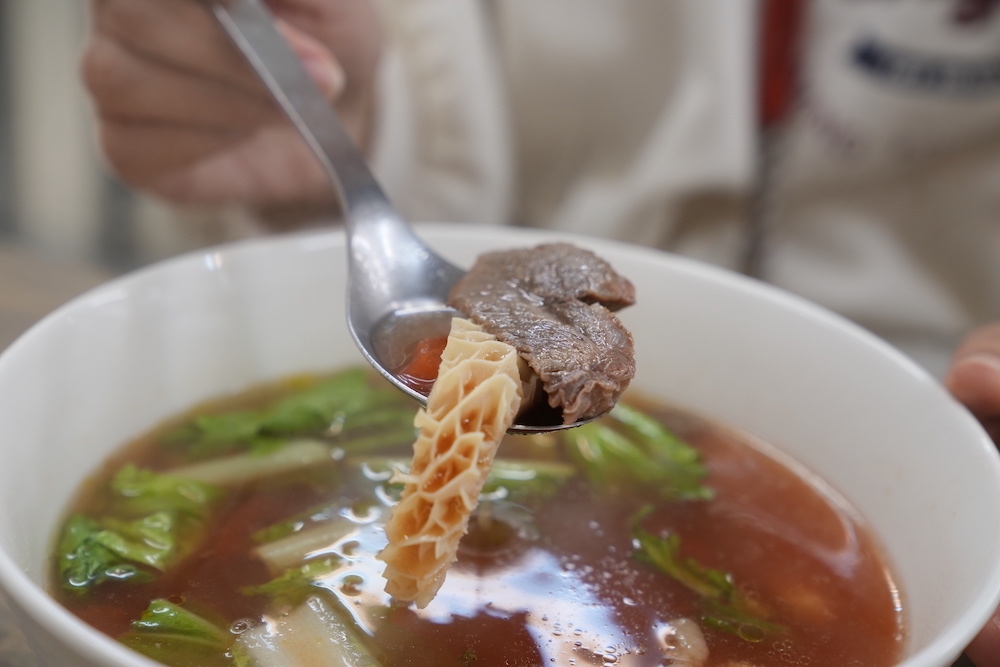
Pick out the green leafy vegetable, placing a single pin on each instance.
(347, 404)
(515, 479)
(744, 625)
(85, 560)
(227, 428)
(153, 521)
(525, 479)
(296, 584)
(629, 447)
(150, 540)
(727, 608)
(392, 416)
(142, 491)
(296, 523)
(172, 634)
(664, 553)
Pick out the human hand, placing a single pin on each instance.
(974, 379)
(181, 115)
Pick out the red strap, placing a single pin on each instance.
(780, 30)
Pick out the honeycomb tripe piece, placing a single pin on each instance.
(469, 409)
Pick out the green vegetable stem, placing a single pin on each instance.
(726, 606)
(629, 447)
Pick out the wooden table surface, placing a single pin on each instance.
(33, 284)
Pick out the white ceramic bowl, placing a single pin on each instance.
(112, 363)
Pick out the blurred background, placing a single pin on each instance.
(65, 223)
(55, 197)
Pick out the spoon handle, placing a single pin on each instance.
(394, 278)
(251, 27)
(390, 266)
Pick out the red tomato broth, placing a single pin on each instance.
(801, 550)
(570, 588)
(420, 364)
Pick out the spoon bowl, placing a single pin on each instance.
(398, 286)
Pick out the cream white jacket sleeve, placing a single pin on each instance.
(442, 146)
(589, 116)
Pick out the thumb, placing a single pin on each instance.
(974, 377)
(319, 62)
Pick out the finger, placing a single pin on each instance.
(139, 152)
(323, 68)
(984, 650)
(352, 31)
(128, 86)
(330, 77)
(183, 35)
(177, 33)
(974, 376)
(291, 174)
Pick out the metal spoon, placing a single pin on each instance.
(398, 286)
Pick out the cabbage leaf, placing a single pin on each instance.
(171, 634)
(348, 403)
(154, 520)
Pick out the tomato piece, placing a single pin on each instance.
(420, 367)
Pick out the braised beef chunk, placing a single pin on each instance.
(553, 303)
